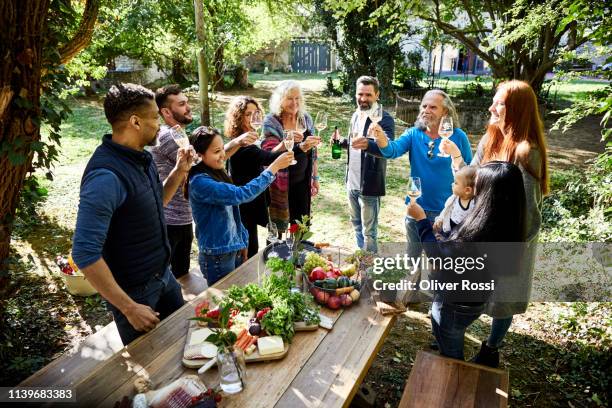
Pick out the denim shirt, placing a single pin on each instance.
(214, 205)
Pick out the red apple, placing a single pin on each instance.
(346, 300)
(334, 302)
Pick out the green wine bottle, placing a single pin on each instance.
(336, 149)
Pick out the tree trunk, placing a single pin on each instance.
(241, 77)
(21, 48)
(219, 66)
(202, 63)
(178, 71)
(21, 39)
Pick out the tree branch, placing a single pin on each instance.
(83, 34)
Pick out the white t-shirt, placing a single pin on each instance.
(354, 171)
(458, 213)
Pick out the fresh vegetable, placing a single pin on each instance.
(260, 315)
(321, 296)
(334, 302)
(213, 314)
(279, 320)
(346, 300)
(317, 273)
(340, 291)
(281, 267)
(255, 329)
(343, 282)
(201, 308)
(313, 260)
(349, 270)
(354, 295)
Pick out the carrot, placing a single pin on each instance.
(241, 344)
(253, 341)
(241, 334)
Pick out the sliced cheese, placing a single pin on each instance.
(270, 345)
(198, 336)
(208, 350)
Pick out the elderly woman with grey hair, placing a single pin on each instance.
(291, 192)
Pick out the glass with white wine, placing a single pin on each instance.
(414, 188)
(180, 138)
(289, 142)
(256, 121)
(445, 131)
(320, 123)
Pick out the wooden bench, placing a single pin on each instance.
(99, 346)
(437, 381)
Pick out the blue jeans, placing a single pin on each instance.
(499, 328)
(449, 322)
(215, 267)
(161, 293)
(364, 216)
(414, 247)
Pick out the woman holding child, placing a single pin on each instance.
(515, 134)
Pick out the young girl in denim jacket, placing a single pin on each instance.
(214, 199)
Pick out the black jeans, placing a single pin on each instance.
(162, 293)
(180, 237)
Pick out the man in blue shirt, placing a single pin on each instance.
(422, 143)
(120, 240)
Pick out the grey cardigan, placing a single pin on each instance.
(533, 194)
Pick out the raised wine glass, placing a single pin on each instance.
(375, 114)
(257, 121)
(445, 131)
(180, 138)
(414, 188)
(289, 141)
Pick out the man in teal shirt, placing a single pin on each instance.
(422, 143)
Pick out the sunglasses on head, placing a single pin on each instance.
(430, 153)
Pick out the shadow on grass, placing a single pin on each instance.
(541, 374)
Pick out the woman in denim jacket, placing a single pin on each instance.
(214, 199)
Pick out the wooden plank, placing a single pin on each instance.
(437, 381)
(77, 363)
(73, 365)
(333, 373)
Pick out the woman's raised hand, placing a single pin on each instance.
(247, 138)
(309, 143)
(282, 162)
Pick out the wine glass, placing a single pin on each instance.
(300, 125)
(290, 242)
(375, 115)
(445, 131)
(180, 138)
(321, 122)
(256, 121)
(272, 232)
(414, 188)
(289, 141)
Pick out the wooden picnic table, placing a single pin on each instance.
(322, 368)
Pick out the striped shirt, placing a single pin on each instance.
(178, 210)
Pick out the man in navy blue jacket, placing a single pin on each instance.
(120, 240)
(366, 169)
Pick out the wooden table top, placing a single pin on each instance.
(322, 368)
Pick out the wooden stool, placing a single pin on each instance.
(437, 381)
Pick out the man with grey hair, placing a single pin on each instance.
(366, 168)
(422, 143)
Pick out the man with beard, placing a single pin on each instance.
(175, 110)
(422, 143)
(120, 240)
(366, 169)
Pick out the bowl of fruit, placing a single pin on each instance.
(332, 282)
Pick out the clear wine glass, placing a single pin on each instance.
(180, 138)
(257, 121)
(321, 122)
(375, 115)
(290, 242)
(272, 232)
(445, 131)
(289, 141)
(300, 125)
(414, 188)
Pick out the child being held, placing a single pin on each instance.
(458, 205)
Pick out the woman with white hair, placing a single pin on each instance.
(291, 192)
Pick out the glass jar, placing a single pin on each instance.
(232, 369)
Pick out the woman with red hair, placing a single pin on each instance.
(515, 134)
